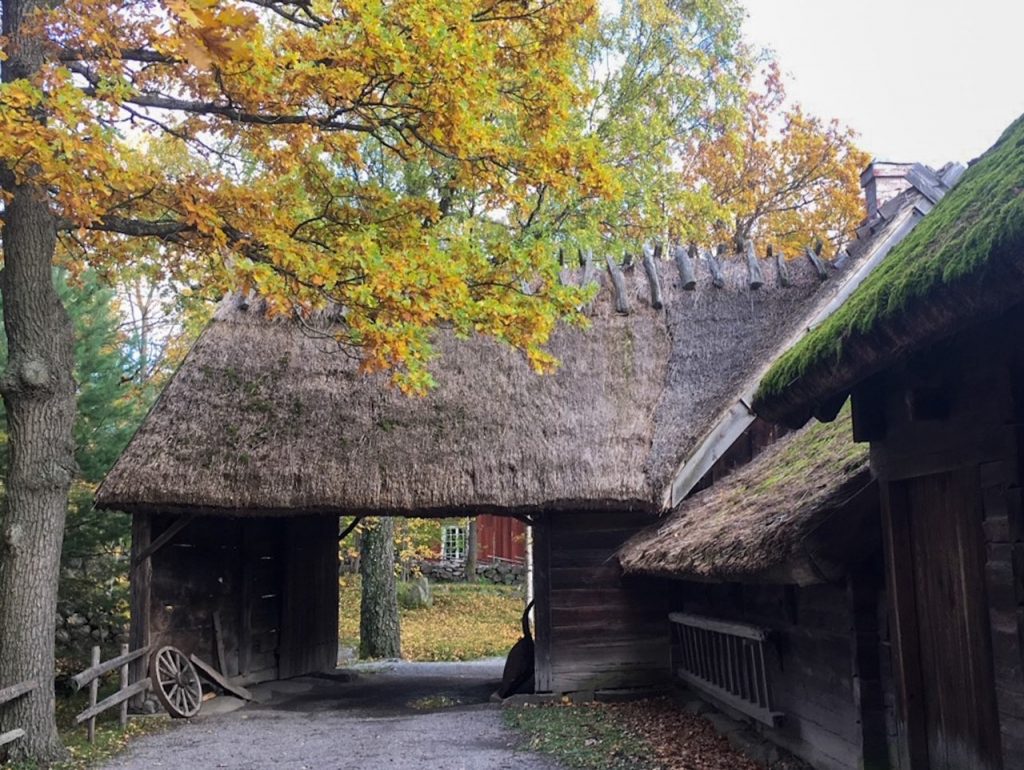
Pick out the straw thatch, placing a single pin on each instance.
(264, 418)
(962, 265)
(773, 520)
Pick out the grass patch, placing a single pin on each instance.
(110, 738)
(654, 734)
(467, 621)
(584, 736)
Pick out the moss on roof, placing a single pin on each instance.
(978, 223)
(757, 523)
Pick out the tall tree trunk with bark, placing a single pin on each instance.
(39, 392)
(471, 550)
(379, 635)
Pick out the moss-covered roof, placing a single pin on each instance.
(963, 262)
(763, 523)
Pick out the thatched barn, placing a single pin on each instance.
(929, 348)
(771, 580)
(268, 433)
(772, 571)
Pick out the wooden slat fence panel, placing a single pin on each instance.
(726, 661)
(91, 676)
(8, 694)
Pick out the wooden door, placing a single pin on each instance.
(309, 610)
(938, 569)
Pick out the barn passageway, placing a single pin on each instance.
(384, 688)
(398, 715)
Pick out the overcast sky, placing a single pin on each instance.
(920, 80)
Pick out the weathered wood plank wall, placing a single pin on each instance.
(955, 411)
(811, 662)
(273, 583)
(595, 631)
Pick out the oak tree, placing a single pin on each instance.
(229, 141)
(777, 175)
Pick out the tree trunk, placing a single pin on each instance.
(471, 551)
(379, 635)
(39, 392)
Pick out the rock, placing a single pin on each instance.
(415, 595)
(752, 745)
(697, 706)
(62, 636)
(724, 725)
(74, 619)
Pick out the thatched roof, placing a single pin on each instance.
(774, 520)
(877, 236)
(264, 418)
(963, 264)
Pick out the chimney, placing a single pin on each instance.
(882, 181)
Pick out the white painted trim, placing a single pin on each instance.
(731, 424)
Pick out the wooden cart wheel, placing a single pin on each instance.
(176, 683)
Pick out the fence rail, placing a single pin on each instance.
(92, 675)
(726, 661)
(8, 694)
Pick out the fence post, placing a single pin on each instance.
(124, 686)
(94, 687)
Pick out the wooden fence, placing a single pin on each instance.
(7, 694)
(91, 676)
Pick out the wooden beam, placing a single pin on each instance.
(16, 690)
(79, 681)
(754, 275)
(218, 634)
(651, 269)
(11, 735)
(165, 537)
(828, 410)
(715, 265)
(618, 286)
(121, 695)
(781, 268)
(817, 262)
(684, 264)
(589, 270)
(212, 674)
(140, 579)
(899, 561)
(867, 403)
(348, 530)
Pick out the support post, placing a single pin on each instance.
(94, 691)
(124, 686)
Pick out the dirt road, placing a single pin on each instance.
(398, 716)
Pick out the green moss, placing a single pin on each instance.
(980, 222)
(818, 444)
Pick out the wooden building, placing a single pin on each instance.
(771, 576)
(501, 537)
(772, 563)
(929, 350)
(268, 433)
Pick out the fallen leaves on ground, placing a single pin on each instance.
(654, 734)
(467, 621)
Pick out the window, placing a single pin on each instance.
(724, 660)
(453, 543)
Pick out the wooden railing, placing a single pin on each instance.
(91, 676)
(7, 694)
(726, 661)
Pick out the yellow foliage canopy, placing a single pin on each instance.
(309, 151)
(780, 176)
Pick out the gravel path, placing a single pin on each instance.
(400, 716)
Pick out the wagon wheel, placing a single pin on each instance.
(176, 683)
